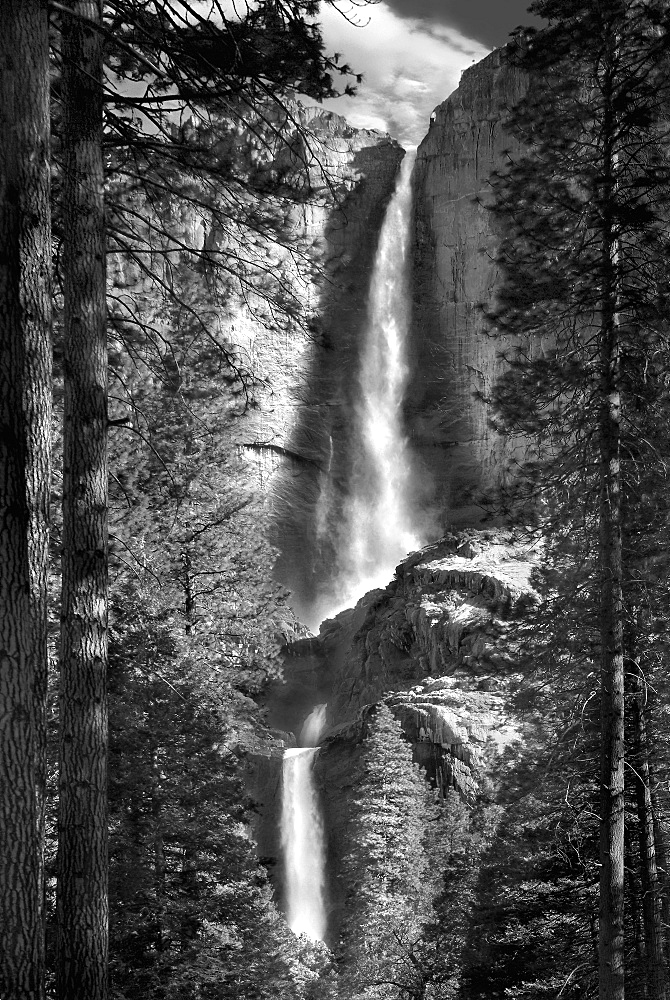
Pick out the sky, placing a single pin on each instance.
(412, 54)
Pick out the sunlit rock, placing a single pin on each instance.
(456, 362)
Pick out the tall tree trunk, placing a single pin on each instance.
(25, 431)
(612, 744)
(82, 903)
(661, 850)
(635, 971)
(656, 976)
(612, 691)
(659, 834)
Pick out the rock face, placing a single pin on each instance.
(446, 614)
(454, 274)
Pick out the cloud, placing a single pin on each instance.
(409, 66)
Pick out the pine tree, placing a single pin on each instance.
(201, 64)
(386, 868)
(192, 913)
(583, 265)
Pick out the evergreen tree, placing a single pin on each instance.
(386, 869)
(583, 266)
(456, 846)
(531, 927)
(192, 913)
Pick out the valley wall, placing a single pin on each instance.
(456, 359)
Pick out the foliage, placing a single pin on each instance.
(207, 153)
(531, 923)
(584, 259)
(456, 844)
(386, 867)
(192, 913)
(188, 543)
(186, 520)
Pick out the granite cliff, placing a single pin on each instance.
(272, 262)
(454, 274)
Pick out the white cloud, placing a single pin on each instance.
(409, 66)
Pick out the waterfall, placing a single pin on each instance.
(377, 530)
(380, 524)
(302, 834)
(314, 725)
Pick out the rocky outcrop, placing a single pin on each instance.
(447, 613)
(438, 645)
(456, 360)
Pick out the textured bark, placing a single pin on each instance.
(82, 906)
(612, 683)
(611, 973)
(25, 418)
(612, 704)
(652, 908)
(659, 840)
(636, 965)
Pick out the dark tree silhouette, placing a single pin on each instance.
(583, 266)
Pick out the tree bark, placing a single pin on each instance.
(25, 430)
(652, 908)
(636, 961)
(661, 849)
(612, 726)
(82, 898)
(611, 966)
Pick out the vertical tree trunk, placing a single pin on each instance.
(25, 430)
(611, 972)
(82, 905)
(612, 685)
(659, 836)
(635, 970)
(651, 890)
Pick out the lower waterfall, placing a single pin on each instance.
(302, 836)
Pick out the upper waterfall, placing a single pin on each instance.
(379, 524)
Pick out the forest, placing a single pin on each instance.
(153, 163)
